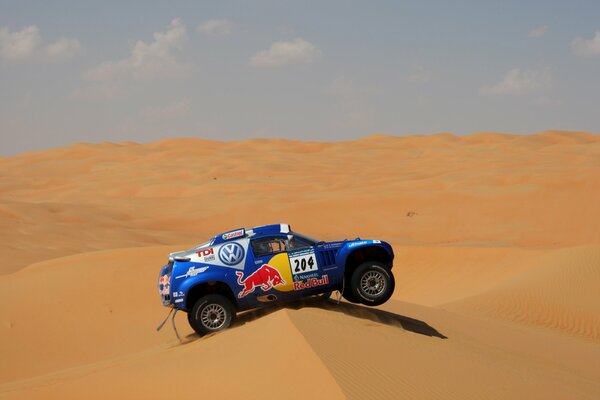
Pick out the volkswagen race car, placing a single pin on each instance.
(247, 268)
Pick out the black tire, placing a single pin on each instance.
(372, 283)
(211, 313)
(349, 296)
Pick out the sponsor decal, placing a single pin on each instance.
(206, 255)
(233, 234)
(303, 261)
(312, 282)
(360, 243)
(164, 285)
(281, 262)
(177, 294)
(192, 271)
(301, 277)
(179, 301)
(231, 253)
(265, 277)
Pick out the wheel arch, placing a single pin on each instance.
(208, 287)
(370, 252)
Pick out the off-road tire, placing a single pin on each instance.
(348, 295)
(211, 313)
(372, 283)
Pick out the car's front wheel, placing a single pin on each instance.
(211, 313)
(372, 283)
(349, 295)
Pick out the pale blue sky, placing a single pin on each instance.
(79, 71)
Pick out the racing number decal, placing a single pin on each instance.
(303, 262)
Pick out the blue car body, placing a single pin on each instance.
(264, 264)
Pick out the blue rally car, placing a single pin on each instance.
(246, 268)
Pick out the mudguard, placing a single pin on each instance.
(351, 247)
(182, 283)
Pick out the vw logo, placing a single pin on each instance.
(231, 253)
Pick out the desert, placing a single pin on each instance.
(497, 242)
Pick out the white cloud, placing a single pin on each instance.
(517, 82)
(26, 45)
(108, 70)
(148, 61)
(586, 47)
(216, 27)
(297, 51)
(19, 45)
(62, 49)
(420, 75)
(538, 32)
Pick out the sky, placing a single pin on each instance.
(90, 71)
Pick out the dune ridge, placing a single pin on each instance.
(560, 293)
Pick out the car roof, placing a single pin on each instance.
(257, 231)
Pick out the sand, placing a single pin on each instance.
(497, 241)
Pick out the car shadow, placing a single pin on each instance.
(353, 310)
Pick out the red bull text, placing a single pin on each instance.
(311, 282)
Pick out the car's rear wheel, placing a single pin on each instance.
(372, 283)
(211, 313)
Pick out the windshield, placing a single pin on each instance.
(306, 238)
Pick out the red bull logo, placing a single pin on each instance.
(265, 277)
(312, 282)
(164, 284)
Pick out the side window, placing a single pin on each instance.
(297, 243)
(266, 246)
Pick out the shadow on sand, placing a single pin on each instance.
(353, 310)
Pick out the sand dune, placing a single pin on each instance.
(106, 345)
(497, 267)
(495, 190)
(436, 275)
(560, 292)
(555, 289)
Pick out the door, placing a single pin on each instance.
(284, 267)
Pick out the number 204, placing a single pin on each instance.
(304, 264)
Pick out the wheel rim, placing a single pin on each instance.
(213, 316)
(372, 283)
